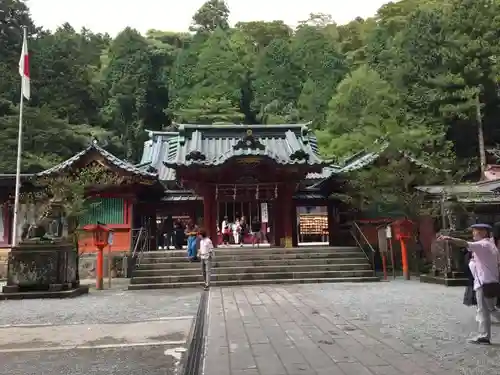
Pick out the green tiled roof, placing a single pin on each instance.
(363, 159)
(160, 147)
(213, 145)
(164, 146)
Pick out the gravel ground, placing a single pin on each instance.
(125, 361)
(108, 332)
(430, 318)
(109, 306)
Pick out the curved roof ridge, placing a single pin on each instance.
(112, 159)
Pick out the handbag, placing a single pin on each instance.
(491, 290)
(470, 296)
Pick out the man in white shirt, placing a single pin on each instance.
(484, 267)
(205, 255)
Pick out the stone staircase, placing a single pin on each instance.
(252, 266)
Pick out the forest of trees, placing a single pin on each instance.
(421, 74)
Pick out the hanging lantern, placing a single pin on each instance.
(276, 191)
(216, 192)
(234, 193)
(257, 193)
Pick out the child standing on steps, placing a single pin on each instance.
(205, 255)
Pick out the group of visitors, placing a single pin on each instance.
(200, 249)
(235, 232)
(483, 260)
(171, 233)
(200, 246)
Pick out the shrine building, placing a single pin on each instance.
(270, 173)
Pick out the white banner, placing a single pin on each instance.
(264, 214)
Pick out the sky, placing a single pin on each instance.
(112, 16)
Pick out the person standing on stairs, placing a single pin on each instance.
(205, 253)
(191, 233)
(225, 230)
(179, 235)
(236, 227)
(168, 232)
(244, 230)
(257, 233)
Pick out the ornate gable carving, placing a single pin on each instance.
(300, 155)
(195, 156)
(151, 169)
(249, 142)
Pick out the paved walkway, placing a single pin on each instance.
(107, 332)
(344, 329)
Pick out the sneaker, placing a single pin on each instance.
(480, 341)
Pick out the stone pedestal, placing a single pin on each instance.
(447, 264)
(42, 269)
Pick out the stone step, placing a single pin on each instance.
(256, 282)
(252, 250)
(260, 269)
(258, 256)
(255, 263)
(252, 276)
(441, 280)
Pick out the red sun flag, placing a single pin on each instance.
(24, 69)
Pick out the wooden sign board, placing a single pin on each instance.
(382, 240)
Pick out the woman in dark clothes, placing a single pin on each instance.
(470, 294)
(496, 238)
(179, 234)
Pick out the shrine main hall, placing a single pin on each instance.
(272, 174)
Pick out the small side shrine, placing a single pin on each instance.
(460, 206)
(111, 204)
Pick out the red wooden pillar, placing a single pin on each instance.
(209, 213)
(152, 226)
(295, 231)
(277, 221)
(286, 199)
(333, 224)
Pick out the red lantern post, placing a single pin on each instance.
(100, 235)
(404, 230)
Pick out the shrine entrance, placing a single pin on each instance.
(250, 201)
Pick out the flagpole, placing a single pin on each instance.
(18, 164)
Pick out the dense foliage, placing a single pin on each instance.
(421, 74)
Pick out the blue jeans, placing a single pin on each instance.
(191, 246)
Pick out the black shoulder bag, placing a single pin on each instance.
(490, 290)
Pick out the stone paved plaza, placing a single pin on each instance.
(113, 332)
(385, 328)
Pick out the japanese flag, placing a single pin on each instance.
(24, 69)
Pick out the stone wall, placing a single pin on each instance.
(4, 255)
(87, 264)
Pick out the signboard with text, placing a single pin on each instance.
(264, 214)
